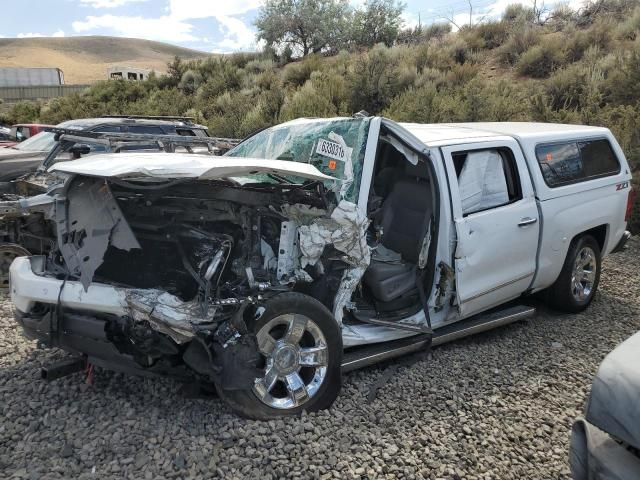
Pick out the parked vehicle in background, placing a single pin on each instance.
(21, 132)
(26, 156)
(5, 135)
(318, 246)
(22, 233)
(605, 444)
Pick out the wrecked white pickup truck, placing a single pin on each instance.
(318, 246)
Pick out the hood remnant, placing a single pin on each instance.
(171, 166)
(88, 221)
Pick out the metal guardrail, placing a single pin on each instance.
(44, 92)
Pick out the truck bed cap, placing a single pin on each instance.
(439, 132)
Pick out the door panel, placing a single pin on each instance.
(496, 221)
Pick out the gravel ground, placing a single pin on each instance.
(496, 406)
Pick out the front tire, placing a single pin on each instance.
(301, 344)
(578, 281)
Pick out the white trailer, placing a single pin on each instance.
(119, 72)
(30, 77)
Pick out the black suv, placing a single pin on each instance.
(26, 156)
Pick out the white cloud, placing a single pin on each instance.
(186, 9)
(237, 35)
(107, 3)
(493, 11)
(59, 33)
(410, 20)
(173, 25)
(165, 28)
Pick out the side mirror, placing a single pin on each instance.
(78, 150)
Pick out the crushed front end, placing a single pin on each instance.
(169, 276)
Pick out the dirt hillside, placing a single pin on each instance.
(86, 59)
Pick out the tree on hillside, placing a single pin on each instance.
(378, 21)
(306, 26)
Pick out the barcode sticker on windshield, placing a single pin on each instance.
(331, 150)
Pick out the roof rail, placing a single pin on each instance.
(140, 136)
(116, 142)
(153, 117)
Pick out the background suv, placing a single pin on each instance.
(26, 156)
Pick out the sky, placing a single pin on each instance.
(219, 26)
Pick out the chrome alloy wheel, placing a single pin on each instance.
(583, 276)
(296, 357)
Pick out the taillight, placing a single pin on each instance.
(630, 199)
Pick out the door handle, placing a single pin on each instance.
(527, 221)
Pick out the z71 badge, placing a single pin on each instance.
(622, 186)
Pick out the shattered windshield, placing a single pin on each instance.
(335, 147)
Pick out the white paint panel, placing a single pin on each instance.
(182, 165)
(495, 258)
(27, 288)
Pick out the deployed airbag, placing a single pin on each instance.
(482, 182)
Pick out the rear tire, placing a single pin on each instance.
(301, 344)
(578, 281)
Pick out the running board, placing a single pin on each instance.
(409, 327)
(371, 354)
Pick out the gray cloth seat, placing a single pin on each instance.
(404, 219)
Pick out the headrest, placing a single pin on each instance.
(417, 171)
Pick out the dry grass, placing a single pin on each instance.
(86, 59)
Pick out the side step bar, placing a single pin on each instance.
(371, 354)
(398, 325)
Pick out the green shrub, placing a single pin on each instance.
(226, 115)
(259, 66)
(566, 87)
(543, 59)
(630, 28)
(459, 75)
(414, 105)
(334, 87)
(518, 15)
(23, 112)
(373, 80)
(422, 34)
(296, 74)
(493, 34)
(307, 102)
(622, 85)
(561, 18)
(577, 42)
(517, 44)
